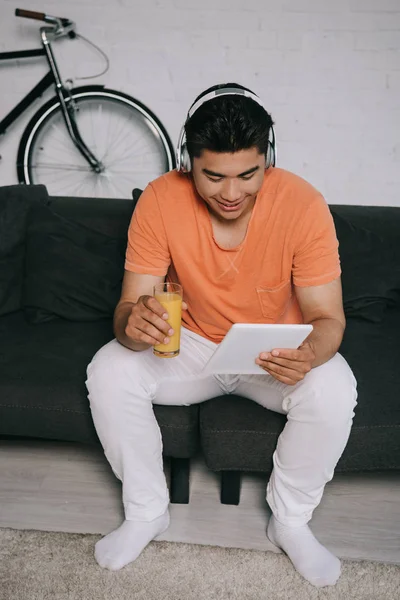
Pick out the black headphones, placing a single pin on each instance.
(183, 163)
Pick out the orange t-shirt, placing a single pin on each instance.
(290, 240)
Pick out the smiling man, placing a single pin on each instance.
(249, 243)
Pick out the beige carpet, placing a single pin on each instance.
(59, 566)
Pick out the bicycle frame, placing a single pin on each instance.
(66, 101)
(35, 93)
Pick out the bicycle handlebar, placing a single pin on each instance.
(60, 25)
(30, 14)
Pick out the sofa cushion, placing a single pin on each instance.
(238, 434)
(72, 271)
(15, 201)
(42, 384)
(370, 269)
(136, 193)
(108, 216)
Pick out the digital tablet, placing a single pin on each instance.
(244, 341)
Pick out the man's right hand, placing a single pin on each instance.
(147, 322)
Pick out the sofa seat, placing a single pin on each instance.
(42, 385)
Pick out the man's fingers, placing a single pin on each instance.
(146, 339)
(146, 330)
(303, 354)
(154, 306)
(143, 323)
(148, 322)
(147, 313)
(283, 379)
(158, 323)
(284, 374)
(286, 353)
(290, 364)
(286, 364)
(287, 377)
(278, 368)
(150, 336)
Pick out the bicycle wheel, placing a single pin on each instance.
(122, 133)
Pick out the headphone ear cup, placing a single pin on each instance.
(269, 156)
(182, 156)
(186, 166)
(273, 155)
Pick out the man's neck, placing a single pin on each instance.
(230, 233)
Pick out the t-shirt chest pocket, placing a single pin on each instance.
(274, 300)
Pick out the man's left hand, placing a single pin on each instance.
(287, 365)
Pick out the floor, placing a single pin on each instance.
(57, 486)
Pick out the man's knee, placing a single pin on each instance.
(112, 366)
(338, 389)
(330, 391)
(107, 359)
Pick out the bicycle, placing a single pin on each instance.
(85, 141)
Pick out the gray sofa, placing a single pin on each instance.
(61, 265)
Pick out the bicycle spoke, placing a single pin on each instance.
(114, 143)
(108, 136)
(119, 141)
(60, 167)
(53, 178)
(91, 120)
(142, 149)
(117, 131)
(128, 173)
(73, 185)
(65, 144)
(131, 159)
(106, 186)
(60, 145)
(61, 148)
(110, 141)
(127, 149)
(95, 187)
(66, 188)
(78, 189)
(121, 192)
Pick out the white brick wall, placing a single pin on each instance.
(329, 72)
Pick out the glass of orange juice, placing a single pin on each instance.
(169, 296)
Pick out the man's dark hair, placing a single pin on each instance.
(227, 124)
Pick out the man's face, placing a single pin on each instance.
(229, 182)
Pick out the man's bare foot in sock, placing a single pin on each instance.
(122, 546)
(312, 560)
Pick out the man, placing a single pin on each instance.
(248, 243)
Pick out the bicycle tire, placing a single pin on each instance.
(50, 113)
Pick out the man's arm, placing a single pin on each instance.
(134, 286)
(322, 307)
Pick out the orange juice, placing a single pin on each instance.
(172, 302)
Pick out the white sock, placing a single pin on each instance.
(124, 545)
(312, 560)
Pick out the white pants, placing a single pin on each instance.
(124, 384)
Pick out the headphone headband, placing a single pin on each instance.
(222, 92)
(183, 163)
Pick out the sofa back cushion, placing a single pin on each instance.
(87, 237)
(75, 259)
(369, 248)
(15, 202)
